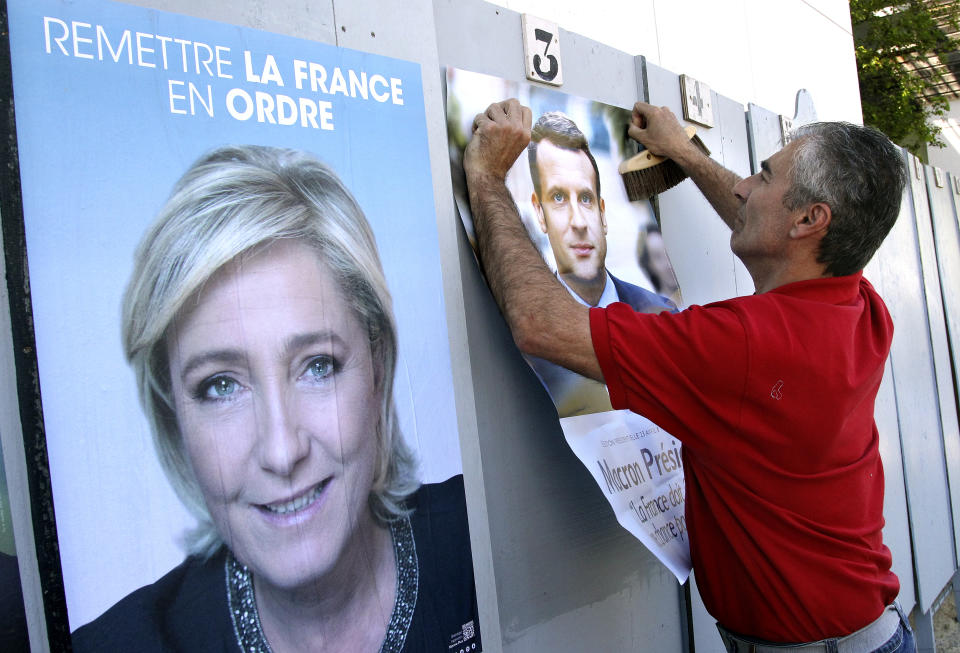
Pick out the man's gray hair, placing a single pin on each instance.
(232, 200)
(861, 175)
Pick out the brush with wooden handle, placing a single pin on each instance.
(647, 174)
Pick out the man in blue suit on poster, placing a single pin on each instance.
(570, 211)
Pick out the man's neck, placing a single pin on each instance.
(589, 290)
(780, 273)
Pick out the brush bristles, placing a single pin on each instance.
(641, 184)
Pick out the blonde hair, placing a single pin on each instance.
(230, 201)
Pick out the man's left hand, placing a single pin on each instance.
(500, 135)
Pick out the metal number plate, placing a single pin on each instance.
(697, 102)
(786, 130)
(541, 50)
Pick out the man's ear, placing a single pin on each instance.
(603, 216)
(538, 211)
(814, 221)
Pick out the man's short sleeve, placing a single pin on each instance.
(684, 371)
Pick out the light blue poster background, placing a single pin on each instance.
(101, 144)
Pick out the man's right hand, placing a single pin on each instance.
(500, 135)
(658, 130)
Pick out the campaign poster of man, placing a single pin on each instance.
(570, 197)
(603, 249)
(240, 335)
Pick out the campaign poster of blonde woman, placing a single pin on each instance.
(240, 335)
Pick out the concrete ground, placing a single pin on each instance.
(946, 629)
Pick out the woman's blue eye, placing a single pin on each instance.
(219, 387)
(558, 197)
(320, 367)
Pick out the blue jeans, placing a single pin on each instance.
(902, 641)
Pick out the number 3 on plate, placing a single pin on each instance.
(541, 50)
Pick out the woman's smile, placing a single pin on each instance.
(300, 507)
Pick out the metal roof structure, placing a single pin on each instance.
(943, 69)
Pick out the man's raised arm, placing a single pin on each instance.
(660, 132)
(544, 319)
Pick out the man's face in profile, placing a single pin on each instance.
(570, 212)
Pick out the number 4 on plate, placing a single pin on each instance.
(541, 50)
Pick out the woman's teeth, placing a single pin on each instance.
(297, 504)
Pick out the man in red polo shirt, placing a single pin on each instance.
(772, 395)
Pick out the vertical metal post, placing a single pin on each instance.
(923, 629)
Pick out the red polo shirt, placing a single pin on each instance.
(772, 396)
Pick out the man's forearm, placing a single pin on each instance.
(516, 273)
(714, 181)
(543, 317)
